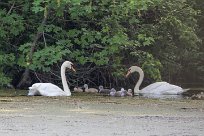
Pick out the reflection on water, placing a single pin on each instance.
(13, 92)
(157, 96)
(191, 94)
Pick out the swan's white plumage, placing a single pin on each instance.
(49, 89)
(158, 88)
(162, 88)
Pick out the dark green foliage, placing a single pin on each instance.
(102, 37)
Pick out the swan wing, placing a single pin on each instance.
(48, 89)
(168, 89)
(152, 87)
(171, 89)
(163, 88)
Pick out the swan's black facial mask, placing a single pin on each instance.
(72, 68)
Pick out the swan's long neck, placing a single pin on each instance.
(139, 82)
(64, 81)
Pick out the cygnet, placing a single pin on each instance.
(104, 91)
(90, 90)
(78, 89)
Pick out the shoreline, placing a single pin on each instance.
(100, 115)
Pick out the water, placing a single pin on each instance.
(156, 96)
(192, 93)
(12, 92)
(187, 95)
(96, 115)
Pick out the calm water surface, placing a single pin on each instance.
(186, 95)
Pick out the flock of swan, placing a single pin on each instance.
(158, 88)
(101, 90)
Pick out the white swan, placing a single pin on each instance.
(158, 88)
(49, 89)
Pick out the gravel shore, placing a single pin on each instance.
(100, 116)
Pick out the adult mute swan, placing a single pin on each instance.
(158, 88)
(49, 89)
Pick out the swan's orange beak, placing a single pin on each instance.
(128, 73)
(72, 68)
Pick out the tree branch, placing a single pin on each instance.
(11, 8)
(26, 73)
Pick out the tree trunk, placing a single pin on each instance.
(26, 75)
